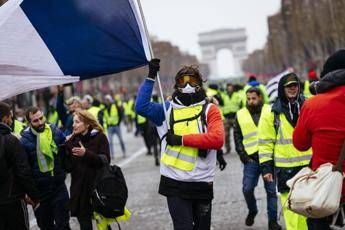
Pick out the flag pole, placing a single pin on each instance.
(152, 56)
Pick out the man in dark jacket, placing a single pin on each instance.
(15, 177)
(43, 146)
(246, 142)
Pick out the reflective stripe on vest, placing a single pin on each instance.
(182, 157)
(249, 129)
(113, 117)
(45, 149)
(285, 154)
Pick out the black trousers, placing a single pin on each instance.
(53, 212)
(190, 214)
(85, 222)
(14, 216)
(319, 224)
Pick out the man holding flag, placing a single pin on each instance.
(191, 134)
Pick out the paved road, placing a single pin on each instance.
(149, 209)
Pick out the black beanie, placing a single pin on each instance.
(334, 62)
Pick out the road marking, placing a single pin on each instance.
(125, 162)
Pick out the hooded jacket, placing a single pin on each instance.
(291, 112)
(15, 173)
(282, 104)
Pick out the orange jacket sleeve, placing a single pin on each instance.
(213, 138)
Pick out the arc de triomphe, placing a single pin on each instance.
(213, 41)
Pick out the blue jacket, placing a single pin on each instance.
(65, 117)
(45, 182)
(144, 107)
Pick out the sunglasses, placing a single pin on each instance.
(192, 80)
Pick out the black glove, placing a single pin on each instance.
(173, 139)
(202, 153)
(222, 163)
(153, 68)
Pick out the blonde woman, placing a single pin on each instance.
(84, 147)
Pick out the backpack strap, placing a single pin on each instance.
(203, 116)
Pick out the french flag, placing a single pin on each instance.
(52, 42)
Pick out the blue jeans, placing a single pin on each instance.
(115, 130)
(251, 173)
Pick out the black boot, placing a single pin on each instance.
(273, 225)
(250, 219)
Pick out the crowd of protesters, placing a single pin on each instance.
(187, 140)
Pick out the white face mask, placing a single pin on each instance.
(188, 89)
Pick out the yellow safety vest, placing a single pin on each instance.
(278, 145)
(94, 111)
(211, 92)
(45, 149)
(113, 117)
(140, 119)
(306, 91)
(249, 129)
(231, 104)
(183, 157)
(128, 106)
(18, 127)
(53, 118)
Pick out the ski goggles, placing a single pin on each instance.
(193, 81)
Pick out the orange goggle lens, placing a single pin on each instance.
(182, 81)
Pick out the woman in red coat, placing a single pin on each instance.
(321, 124)
(84, 147)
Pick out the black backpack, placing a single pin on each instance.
(109, 193)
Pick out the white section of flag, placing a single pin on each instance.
(35, 57)
(144, 36)
(12, 85)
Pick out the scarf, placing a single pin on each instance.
(45, 149)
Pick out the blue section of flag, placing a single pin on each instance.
(88, 38)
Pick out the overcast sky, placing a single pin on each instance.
(180, 21)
